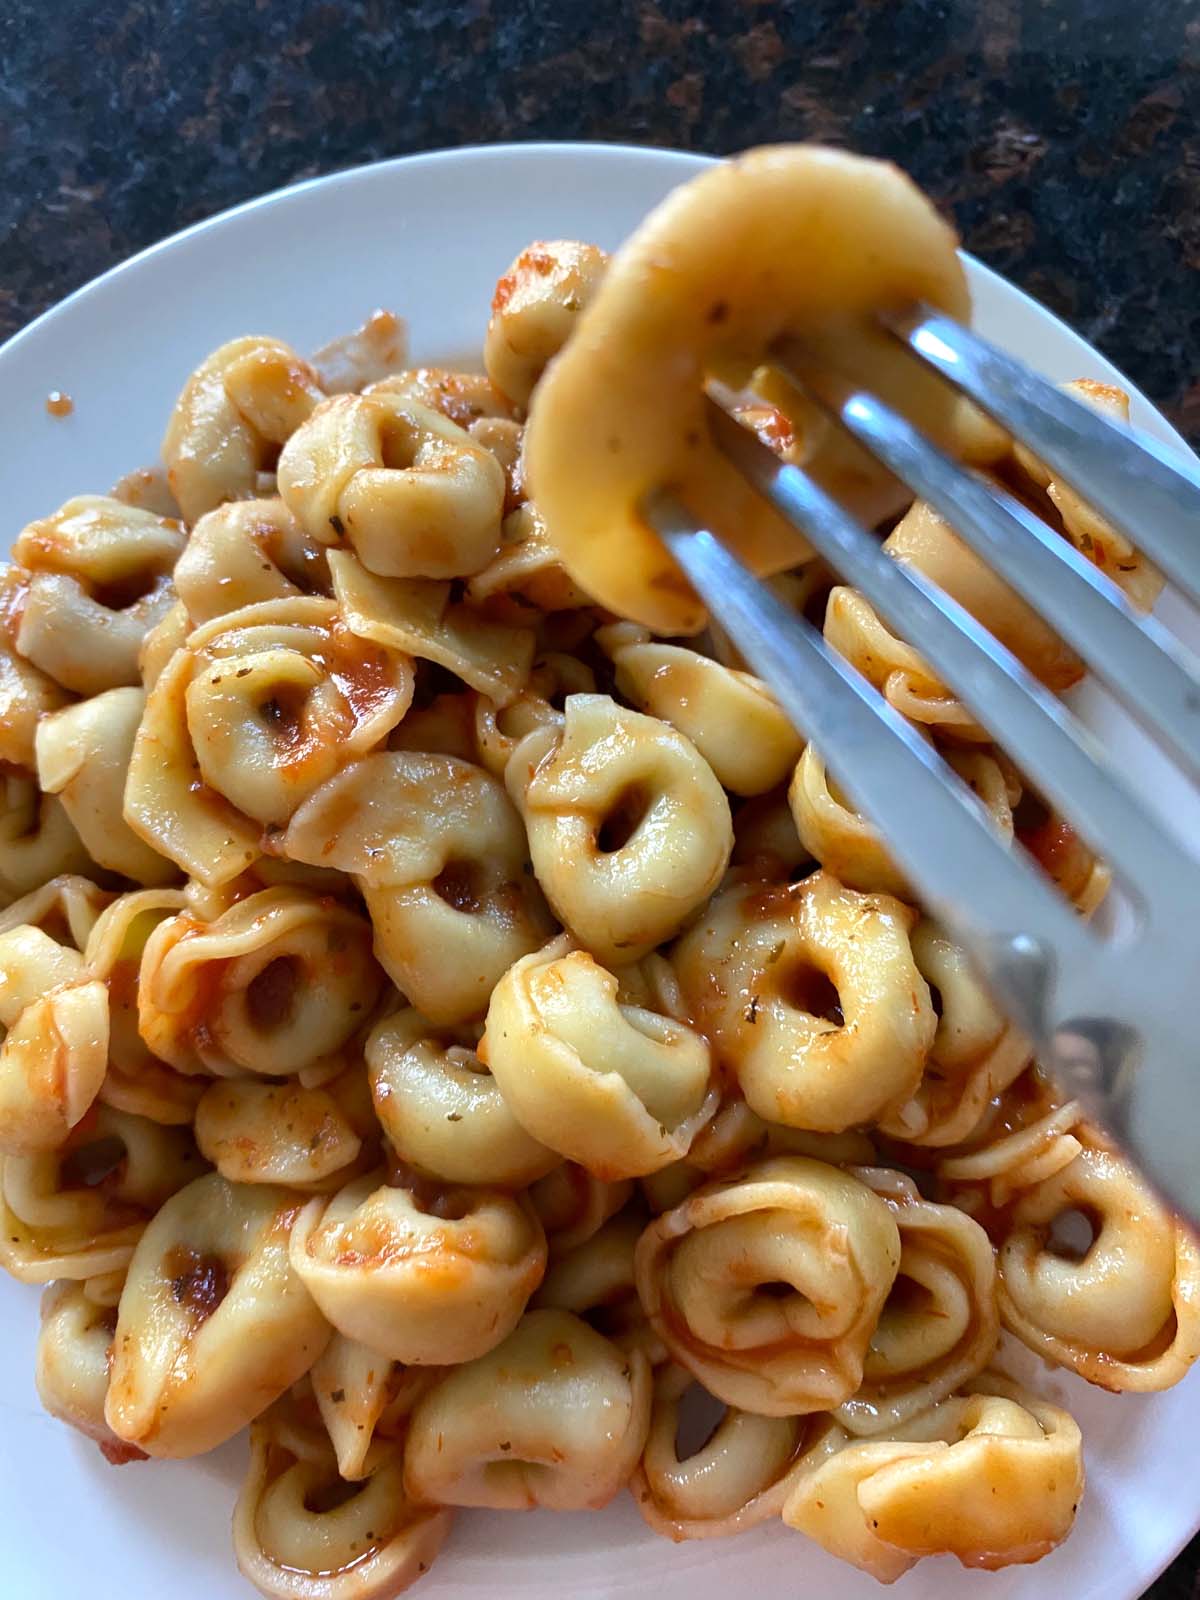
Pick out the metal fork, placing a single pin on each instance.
(1110, 1020)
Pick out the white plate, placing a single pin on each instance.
(427, 237)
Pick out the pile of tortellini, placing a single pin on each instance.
(448, 1025)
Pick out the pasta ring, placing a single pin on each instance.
(620, 1089)
(939, 1325)
(731, 717)
(534, 310)
(738, 1478)
(281, 1133)
(1124, 1313)
(280, 981)
(243, 553)
(443, 1110)
(97, 580)
(573, 1206)
(438, 852)
(993, 1477)
(74, 1349)
(83, 756)
(364, 1401)
(767, 246)
(556, 1416)
(424, 1286)
(818, 1235)
(300, 1532)
(811, 998)
(213, 1324)
(52, 1063)
(78, 1211)
(629, 831)
(237, 407)
(246, 720)
(410, 491)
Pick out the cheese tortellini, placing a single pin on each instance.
(769, 1288)
(812, 998)
(423, 1274)
(992, 1476)
(620, 1089)
(451, 1024)
(556, 1416)
(629, 830)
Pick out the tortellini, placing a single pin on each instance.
(95, 579)
(300, 1530)
(83, 754)
(74, 1350)
(976, 1053)
(1120, 1302)
(534, 309)
(993, 1476)
(410, 491)
(620, 1089)
(37, 838)
(235, 410)
(436, 847)
(629, 831)
(284, 1133)
(364, 1401)
(213, 1324)
(277, 983)
(55, 1048)
(444, 1111)
(738, 1477)
(732, 718)
(26, 694)
(244, 552)
(78, 1211)
(136, 1080)
(421, 1274)
(556, 1416)
(939, 1324)
(257, 710)
(769, 1288)
(761, 248)
(812, 998)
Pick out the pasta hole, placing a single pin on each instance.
(623, 820)
(808, 989)
(118, 594)
(428, 1195)
(329, 1495)
(198, 1282)
(776, 1289)
(1073, 1233)
(91, 1164)
(283, 711)
(700, 1415)
(271, 994)
(459, 885)
(908, 1298)
(397, 446)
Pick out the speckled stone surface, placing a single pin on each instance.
(1062, 135)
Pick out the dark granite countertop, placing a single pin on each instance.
(1063, 135)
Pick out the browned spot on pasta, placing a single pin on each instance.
(198, 1282)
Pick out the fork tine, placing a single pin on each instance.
(968, 877)
(1146, 490)
(1144, 666)
(1035, 729)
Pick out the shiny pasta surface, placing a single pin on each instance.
(454, 1028)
